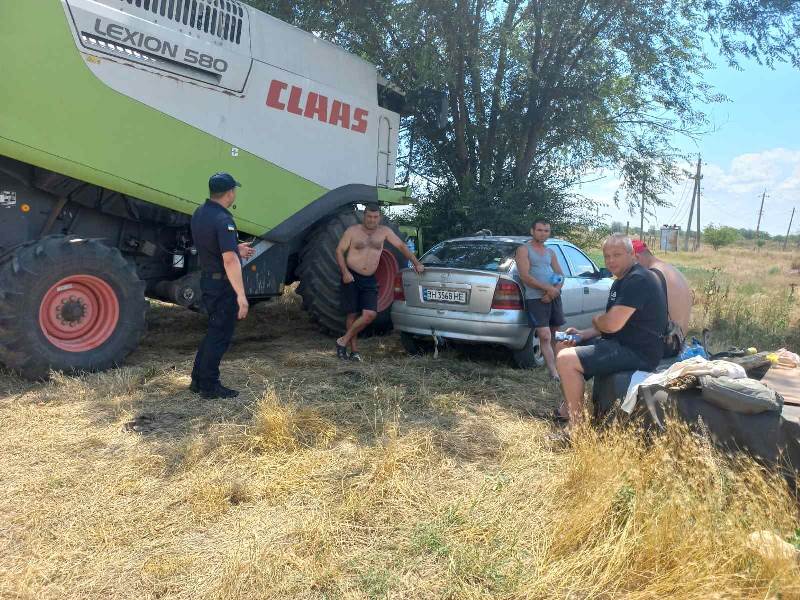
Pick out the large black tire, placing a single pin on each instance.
(321, 281)
(28, 278)
(530, 355)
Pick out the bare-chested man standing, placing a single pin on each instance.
(679, 292)
(362, 244)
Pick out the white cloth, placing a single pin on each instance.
(697, 365)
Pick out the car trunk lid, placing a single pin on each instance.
(464, 290)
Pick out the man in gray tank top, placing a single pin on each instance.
(543, 278)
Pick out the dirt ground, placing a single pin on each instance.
(397, 478)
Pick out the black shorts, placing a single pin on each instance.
(544, 314)
(361, 294)
(603, 357)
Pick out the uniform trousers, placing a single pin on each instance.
(219, 300)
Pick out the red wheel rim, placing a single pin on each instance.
(79, 313)
(387, 269)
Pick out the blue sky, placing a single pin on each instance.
(755, 146)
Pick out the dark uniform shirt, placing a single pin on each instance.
(213, 232)
(642, 333)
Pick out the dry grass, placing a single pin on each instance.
(397, 478)
(746, 297)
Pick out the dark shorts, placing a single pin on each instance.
(544, 314)
(604, 357)
(360, 295)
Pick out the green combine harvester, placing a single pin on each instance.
(114, 115)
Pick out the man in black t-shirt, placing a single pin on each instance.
(627, 337)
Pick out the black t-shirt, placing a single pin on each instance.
(643, 332)
(213, 232)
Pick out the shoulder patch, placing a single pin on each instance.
(231, 227)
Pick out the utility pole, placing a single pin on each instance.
(760, 213)
(695, 193)
(788, 229)
(697, 233)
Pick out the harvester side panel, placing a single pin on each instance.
(301, 98)
(63, 118)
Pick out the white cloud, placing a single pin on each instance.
(731, 193)
(753, 172)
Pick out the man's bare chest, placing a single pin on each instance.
(372, 241)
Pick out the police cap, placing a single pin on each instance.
(219, 183)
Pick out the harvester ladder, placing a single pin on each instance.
(384, 152)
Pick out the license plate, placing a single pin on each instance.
(450, 296)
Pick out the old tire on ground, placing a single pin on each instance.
(530, 355)
(321, 281)
(68, 305)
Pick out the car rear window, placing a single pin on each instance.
(485, 255)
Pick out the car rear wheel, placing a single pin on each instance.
(530, 355)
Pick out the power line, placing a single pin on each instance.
(680, 203)
(684, 211)
(695, 194)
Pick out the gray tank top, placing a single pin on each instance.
(541, 270)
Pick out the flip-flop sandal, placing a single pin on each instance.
(341, 351)
(356, 357)
(560, 439)
(557, 417)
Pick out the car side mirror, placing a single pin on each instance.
(603, 273)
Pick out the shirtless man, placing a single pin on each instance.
(679, 294)
(362, 244)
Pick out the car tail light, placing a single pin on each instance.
(507, 296)
(398, 288)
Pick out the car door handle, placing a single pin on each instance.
(585, 290)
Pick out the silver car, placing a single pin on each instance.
(471, 292)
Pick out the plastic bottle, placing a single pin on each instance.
(562, 336)
(411, 246)
(693, 349)
(555, 279)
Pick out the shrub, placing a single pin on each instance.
(720, 236)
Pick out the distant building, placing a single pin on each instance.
(669, 238)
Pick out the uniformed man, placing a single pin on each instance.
(219, 253)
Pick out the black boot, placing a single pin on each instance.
(218, 391)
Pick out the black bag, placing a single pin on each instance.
(673, 336)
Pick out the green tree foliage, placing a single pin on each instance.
(540, 92)
(750, 234)
(720, 236)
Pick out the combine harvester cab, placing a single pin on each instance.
(117, 113)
